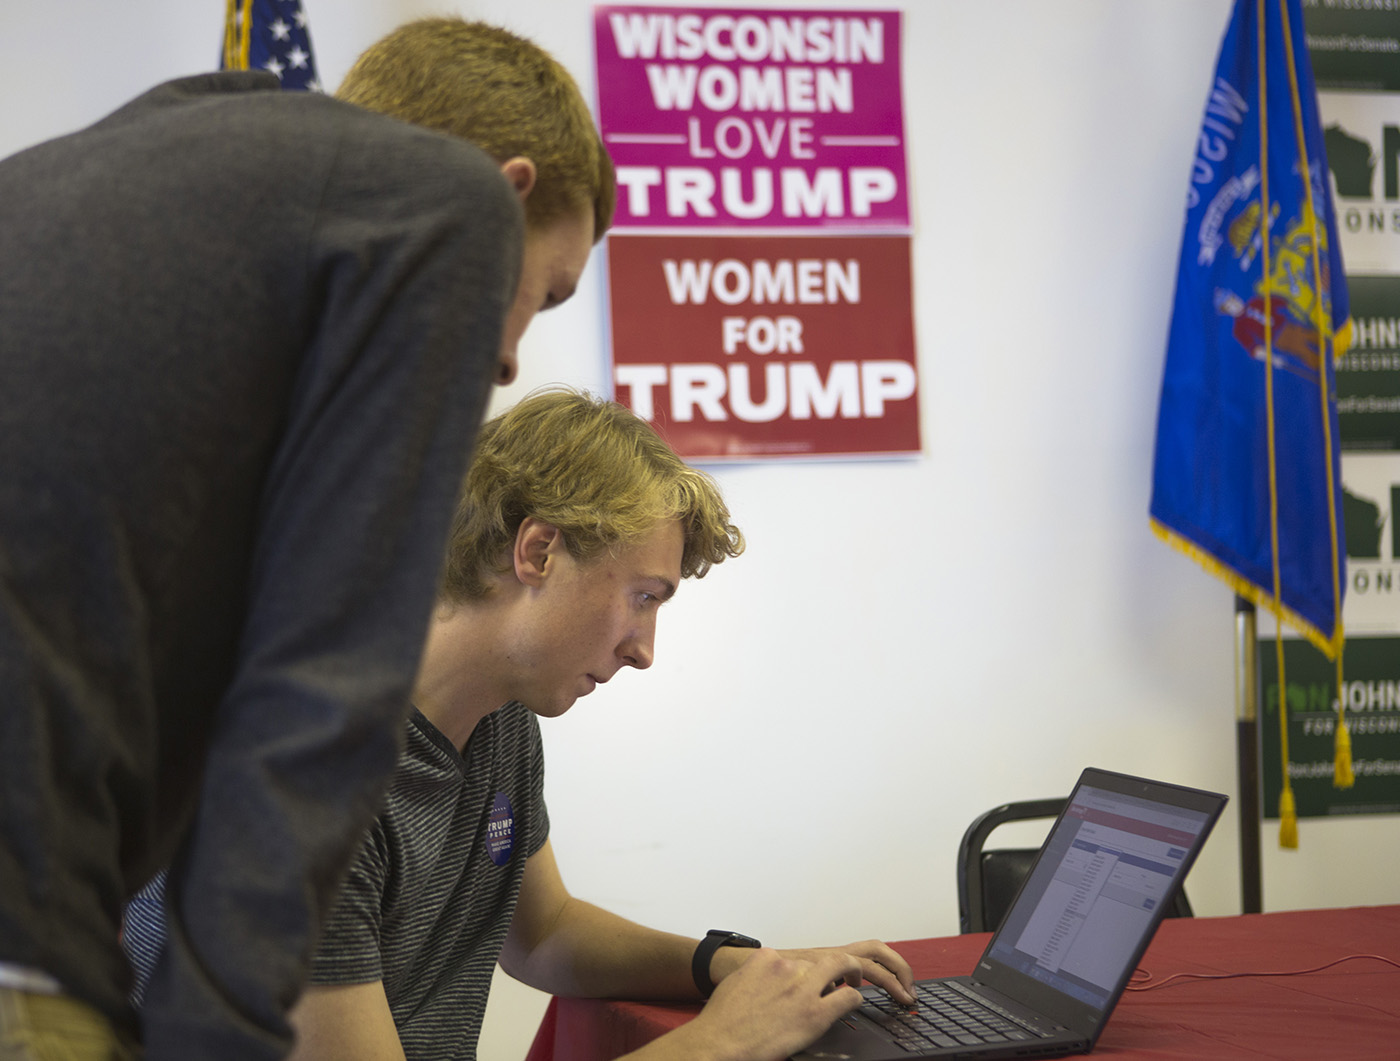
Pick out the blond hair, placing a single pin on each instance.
(593, 469)
(503, 93)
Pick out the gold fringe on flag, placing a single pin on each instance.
(1256, 595)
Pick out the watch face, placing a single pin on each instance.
(734, 939)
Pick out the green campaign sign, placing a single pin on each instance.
(1354, 44)
(1368, 375)
(1371, 682)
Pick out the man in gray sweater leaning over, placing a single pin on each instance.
(246, 338)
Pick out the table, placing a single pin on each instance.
(1350, 1011)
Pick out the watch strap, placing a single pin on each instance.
(713, 941)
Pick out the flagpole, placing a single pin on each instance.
(1247, 748)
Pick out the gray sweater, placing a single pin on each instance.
(246, 338)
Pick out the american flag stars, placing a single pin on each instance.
(277, 41)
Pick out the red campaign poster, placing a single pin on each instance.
(738, 347)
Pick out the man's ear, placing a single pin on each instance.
(520, 171)
(535, 544)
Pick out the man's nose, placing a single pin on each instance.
(638, 650)
(506, 367)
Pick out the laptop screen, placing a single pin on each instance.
(1084, 911)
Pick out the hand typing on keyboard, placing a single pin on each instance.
(944, 1017)
(879, 965)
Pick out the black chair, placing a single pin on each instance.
(989, 880)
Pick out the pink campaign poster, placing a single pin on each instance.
(753, 118)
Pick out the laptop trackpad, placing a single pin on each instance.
(853, 1038)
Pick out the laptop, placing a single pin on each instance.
(1105, 877)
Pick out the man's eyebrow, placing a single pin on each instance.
(668, 588)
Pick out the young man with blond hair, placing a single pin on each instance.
(248, 337)
(576, 524)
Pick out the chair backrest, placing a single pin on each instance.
(988, 880)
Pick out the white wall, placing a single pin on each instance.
(905, 643)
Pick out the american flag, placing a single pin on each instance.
(270, 35)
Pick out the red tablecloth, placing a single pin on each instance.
(1351, 1011)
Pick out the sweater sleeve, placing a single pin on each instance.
(410, 266)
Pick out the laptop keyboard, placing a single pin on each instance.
(945, 1017)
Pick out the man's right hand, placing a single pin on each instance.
(770, 1008)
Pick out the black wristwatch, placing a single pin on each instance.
(713, 941)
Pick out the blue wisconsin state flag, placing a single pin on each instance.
(1247, 474)
(270, 35)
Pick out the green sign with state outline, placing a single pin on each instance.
(1371, 676)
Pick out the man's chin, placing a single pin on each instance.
(554, 708)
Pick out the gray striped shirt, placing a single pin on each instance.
(431, 892)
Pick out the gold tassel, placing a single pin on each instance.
(1287, 819)
(238, 34)
(1342, 776)
(231, 35)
